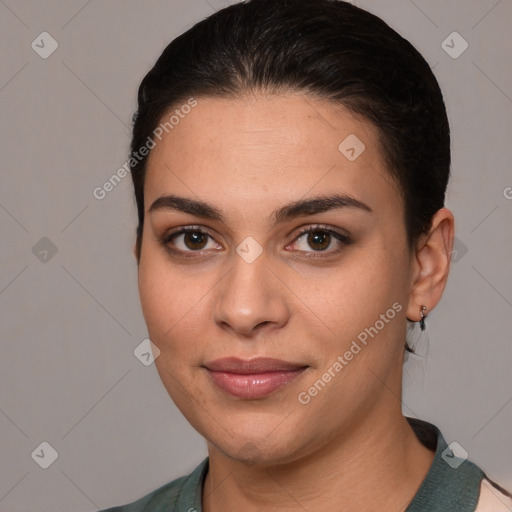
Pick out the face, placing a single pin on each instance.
(280, 312)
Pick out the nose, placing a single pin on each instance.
(251, 300)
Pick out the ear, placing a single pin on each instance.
(431, 265)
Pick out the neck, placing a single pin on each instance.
(377, 465)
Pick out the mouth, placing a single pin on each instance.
(252, 379)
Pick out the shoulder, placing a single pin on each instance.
(169, 496)
(168, 492)
(493, 498)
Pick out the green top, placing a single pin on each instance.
(451, 483)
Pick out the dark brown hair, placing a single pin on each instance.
(329, 49)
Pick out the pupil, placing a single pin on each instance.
(195, 240)
(319, 240)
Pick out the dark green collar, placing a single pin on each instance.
(451, 483)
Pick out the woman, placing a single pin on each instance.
(291, 224)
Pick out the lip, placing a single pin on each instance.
(254, 378)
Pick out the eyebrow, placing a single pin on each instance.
(302, 207)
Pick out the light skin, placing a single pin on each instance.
(303, 299)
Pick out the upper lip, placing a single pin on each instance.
(257, 365)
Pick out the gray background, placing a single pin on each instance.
(70, 321)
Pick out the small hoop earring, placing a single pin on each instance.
(423, 316)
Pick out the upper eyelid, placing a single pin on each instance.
(322, 227)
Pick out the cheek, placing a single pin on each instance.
(366, 303)
(366, 283)
(173, 310)
(171, 301)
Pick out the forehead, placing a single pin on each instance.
(265, 148)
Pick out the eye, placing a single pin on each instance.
(190, 239)
(319, 239)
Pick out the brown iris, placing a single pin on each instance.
(195, 240)
(319, 240)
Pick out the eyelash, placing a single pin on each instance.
(343, 239)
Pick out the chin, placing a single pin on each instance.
(256, 450)
(253, 454)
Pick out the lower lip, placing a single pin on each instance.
(253, 386)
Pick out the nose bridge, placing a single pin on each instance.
(250, 296)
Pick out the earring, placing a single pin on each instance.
(423, 316)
